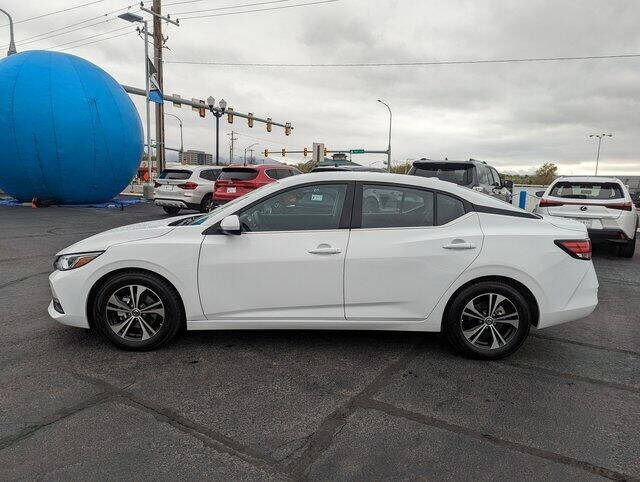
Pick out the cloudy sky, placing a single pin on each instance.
(514, 115)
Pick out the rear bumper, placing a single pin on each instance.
(175, 203)
(616, 236)
(222, 198)
(580, 305)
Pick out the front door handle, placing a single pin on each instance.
(459, 244)
(325, 249)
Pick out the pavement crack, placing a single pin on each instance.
(24, 278)
(585, 344)
(508, 444)
(56, 416)
(335, 422)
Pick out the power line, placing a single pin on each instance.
(261, 9)
(230, 7)
(89, 37)
(45, 35)
(96, 41)
(406, 64)
(267, 141)
(55, 12)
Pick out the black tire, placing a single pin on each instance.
(105, 319)
(457, 324)
(628, 249)
(206, 204)
(171, 210)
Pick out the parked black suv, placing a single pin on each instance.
(472, 174)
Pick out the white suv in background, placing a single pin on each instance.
(186, 187)
(602, 204)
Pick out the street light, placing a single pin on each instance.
(599, 136)
(245, 151)
(389, 148)
(133, 18)
(217, 112)
(12, 45)
(180, 121)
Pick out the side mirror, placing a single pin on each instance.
(539, 193)
(508, 183)
(231, 225)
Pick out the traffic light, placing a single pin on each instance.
(325, 152)
(287, 128)
(284, 152)
(269, 124)
(305, 152)
(250, 119)
(230, 115)
(266, 152)
(202, 110)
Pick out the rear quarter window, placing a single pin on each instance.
(448, 209)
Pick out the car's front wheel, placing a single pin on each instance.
(170, 210)
(137, 310)
(488, 320)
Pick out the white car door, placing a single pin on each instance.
(407, 247)
(288, 262)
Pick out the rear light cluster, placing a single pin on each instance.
(579, 249)
(624, 206)
(189, 185)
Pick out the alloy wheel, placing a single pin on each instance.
(135, 312)
(489, 321)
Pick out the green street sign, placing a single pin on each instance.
(356, 151)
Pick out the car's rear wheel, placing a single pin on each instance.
(628, 249)
(488, 320)
(171, 210)
(206, 204)
(137, 311)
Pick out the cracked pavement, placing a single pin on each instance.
(305, 405)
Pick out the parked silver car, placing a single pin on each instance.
(186, 187)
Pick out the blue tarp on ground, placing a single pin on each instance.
(116, 203)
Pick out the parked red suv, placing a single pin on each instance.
(236, 181)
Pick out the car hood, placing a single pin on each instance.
(123, 234)
(565, 223)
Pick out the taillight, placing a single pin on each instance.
(189, 185)
(544, 202)
(156, 184)
(626, 206)
(579, 249)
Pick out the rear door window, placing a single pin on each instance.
(177, 174)
(587, 190)
(445, 171)
(385, 206)
(238, 174)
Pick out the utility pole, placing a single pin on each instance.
(12, 45)
(157, 55)
(599, 136)
(233, 139)
(389, 148)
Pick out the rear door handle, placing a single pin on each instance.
(325, 249)
(459, 244)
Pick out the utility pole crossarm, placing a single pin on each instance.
(179, 100)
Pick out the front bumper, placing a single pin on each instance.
(68, 289)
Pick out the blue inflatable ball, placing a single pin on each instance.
(69, 133)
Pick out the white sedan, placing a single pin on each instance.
(313, 252)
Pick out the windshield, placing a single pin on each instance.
(179, 174)
(459, 174)
(213, 212)
(587, 190)
(237, 174)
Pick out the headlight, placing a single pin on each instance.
(73, 261)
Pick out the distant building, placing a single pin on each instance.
(195, 157)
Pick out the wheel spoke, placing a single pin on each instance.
(494, 302)
(151, 306)
(119, 326)
(494, 341)
(497, 333)
(157, 311)
(472, 331)
(147, 331)
(513, 319)
(472, 309)
(113, 300)
(477, 335)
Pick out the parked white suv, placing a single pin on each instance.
(602, 204)
(188, 187)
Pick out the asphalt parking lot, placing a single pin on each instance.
(305, 405)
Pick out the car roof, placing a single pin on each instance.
(446, 161)
(347, 168)
(260, 166)
(470, 195)
(587, 178)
